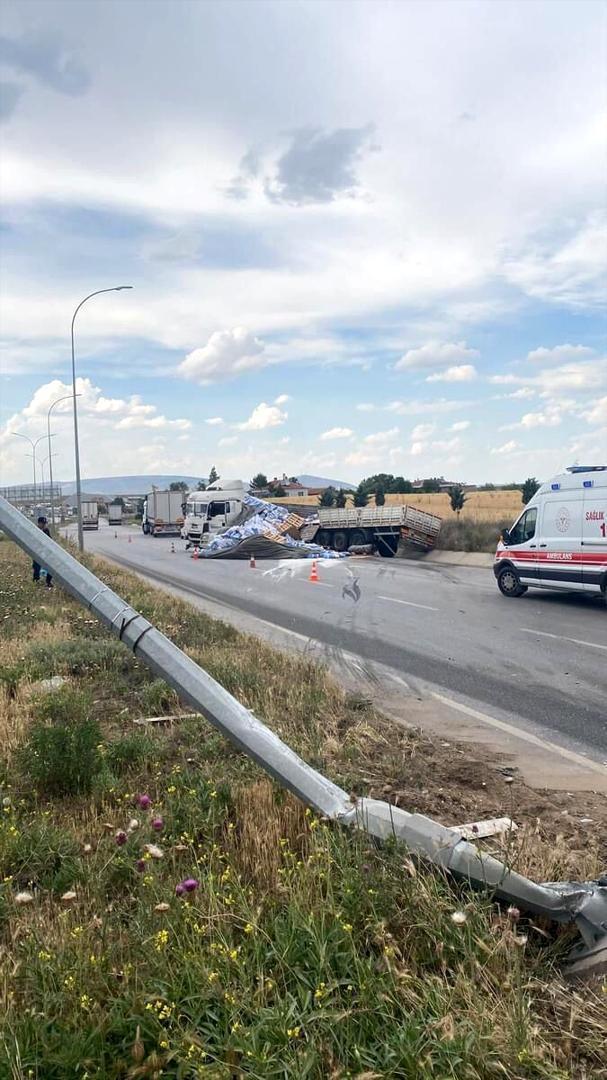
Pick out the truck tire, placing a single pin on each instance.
(323, 537)
(386, 545)
(509, 583)
(358, 538)
(340, 540)
(145, 529)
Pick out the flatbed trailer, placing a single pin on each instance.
(382, 526)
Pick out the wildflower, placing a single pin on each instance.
(120, 837)
(154, 851)
(235, 1026)
(24, 897)
(161, 908)
(347, 926)
(157, 824)
(69, 982)
(233, 954)
(520, 940)
(144, 801)
(171, 789)
(161, 940)
(140, 866)
(87, 848)
(294, 1033)
(229, 998)
(164, 1044)
(248, 928)
(321, 991)
(44, 956)
(68, 897)
(213, 976)
(179, 889)
(77, 931)
(459, 917)
(513, 914)
(132, 825)
(190, 884)
(85, 1002)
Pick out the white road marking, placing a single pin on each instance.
(561, 637)
(520, 733)
(409, 603)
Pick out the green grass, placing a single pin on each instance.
(302, 952)
(462, 535)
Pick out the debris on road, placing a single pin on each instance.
(265, 531)
(479, 830)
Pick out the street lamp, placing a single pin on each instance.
(65, 397)
(115, 288)
(33, 443)
(42, 462)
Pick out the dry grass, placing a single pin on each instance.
(480, 506)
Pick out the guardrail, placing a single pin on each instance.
(583, 903)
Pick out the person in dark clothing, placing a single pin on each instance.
(36, 566)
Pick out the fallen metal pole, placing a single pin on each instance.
(584, 903)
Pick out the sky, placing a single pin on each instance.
(361, 236)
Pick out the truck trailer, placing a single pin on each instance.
(115, 513)
(381, 526)
(90, 514)
(163, 513)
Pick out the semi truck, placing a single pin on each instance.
(208, 512)
(381, 526)
(90, 514)
(163, 513)
(115, 513)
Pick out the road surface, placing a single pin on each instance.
(539, 662)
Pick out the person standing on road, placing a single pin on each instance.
(36, 566)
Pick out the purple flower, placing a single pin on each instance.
(158, 824)
(140, 865)
(144, 802)
(120, 837)
(188, 885)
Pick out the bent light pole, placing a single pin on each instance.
(115, 288)
(33, 443)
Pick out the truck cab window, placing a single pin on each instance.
(525, 527)
(217, 509)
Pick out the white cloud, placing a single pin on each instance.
(214, 421)
(228, 440)
(460, 373)
(559, 354)
(418, 408)
(263, 416)
(336, 433)
(435, 354)
(227, 353)
(549, 417)
(598, 413)
(366, 406)
(460, 425)
(417, 448)
(282, 399)
(422, 431)
(518, 395)
(570, 273)
(379, 438)
(507, 448)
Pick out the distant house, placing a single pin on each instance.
(445, 485)
(290, 487)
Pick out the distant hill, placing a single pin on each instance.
(138, 485)
(126, 485)
(322, 482)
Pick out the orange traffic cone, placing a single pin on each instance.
(313, 572)
(252, 564)
(195, 555)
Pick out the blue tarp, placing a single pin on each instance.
(263, 522)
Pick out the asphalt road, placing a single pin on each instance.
(540, 661)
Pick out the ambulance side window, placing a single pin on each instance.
(525, 527)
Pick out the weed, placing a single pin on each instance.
(60, 755)
(158, 699)
(129, 752)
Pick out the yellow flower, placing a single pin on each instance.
(213, 976)
(347, 926)
(69, 982)
(248, 928)
(161, 940)
(171, 789)
(44, 955)
(321, 991)
(85, 1002)
(164, 1044)
(294, 1032)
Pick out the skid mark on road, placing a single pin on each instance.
(408, 603)
(561, 637)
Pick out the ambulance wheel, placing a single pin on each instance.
(509, 584)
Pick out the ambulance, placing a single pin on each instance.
(560, 539)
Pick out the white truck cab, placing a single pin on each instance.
(560, 539)
(207, 512)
